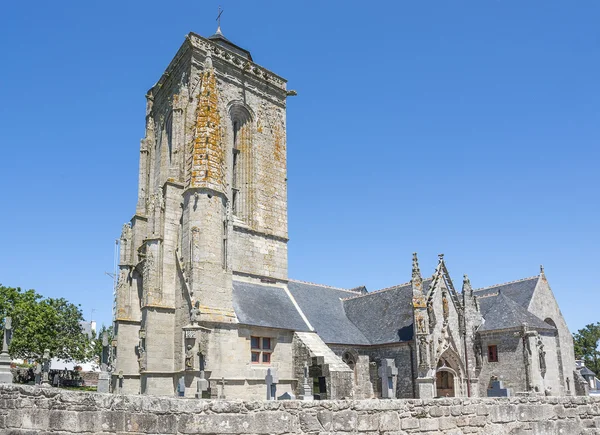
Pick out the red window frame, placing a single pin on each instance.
(492, 353)
(261, 349)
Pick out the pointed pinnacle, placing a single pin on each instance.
(467, 284)
(416, 272)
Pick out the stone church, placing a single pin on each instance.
(204, 306)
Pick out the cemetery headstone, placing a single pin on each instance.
(306, 388)
(387, 372)
(202, 387)
(272, 379)
(6, 376)
(498, 390)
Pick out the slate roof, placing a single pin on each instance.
(265, 305)
(586, 372)
(384, 316)
(519, 291)
(324, 309)
(504, 313)
(221, 40)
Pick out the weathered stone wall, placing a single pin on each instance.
(28, 410)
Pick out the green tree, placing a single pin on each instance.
(40, 324)
(587, 341)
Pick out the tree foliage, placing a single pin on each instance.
(43, 323)
(587, 341)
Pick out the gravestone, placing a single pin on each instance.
(498, 390)
(287, 396)
(104, 375)
(181, 387)
(272, 379)
(306, 388)
(387, 372)
(6, 376)
(202, 387)
(221, 391)
(46, 368)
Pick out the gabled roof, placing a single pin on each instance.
(520, 291)
(504, 313)
(384, 316)
(266, 305)
(324, 309)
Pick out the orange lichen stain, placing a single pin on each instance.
(206, 165)
(175, 99)
(279, 144)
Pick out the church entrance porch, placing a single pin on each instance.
(449, 379)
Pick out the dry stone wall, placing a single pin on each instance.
(29, 410)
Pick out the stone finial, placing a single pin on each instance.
(441, 257)
(467, 288)
(416, 272)
(541, 269)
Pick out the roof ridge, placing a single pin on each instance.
(383, 290)
(323, 285)
(506, 283)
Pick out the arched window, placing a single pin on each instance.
(241, 171)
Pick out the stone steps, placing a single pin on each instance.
(318, 348)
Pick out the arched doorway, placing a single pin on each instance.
(449, 376)
(444, 383)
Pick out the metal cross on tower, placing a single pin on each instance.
(219, 20)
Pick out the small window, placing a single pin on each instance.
(493, 353)
(261, 350)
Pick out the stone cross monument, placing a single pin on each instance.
(387, 372)
(306, 393)
(272, 379)
(5, 373)
(46, 368)
(104, 375)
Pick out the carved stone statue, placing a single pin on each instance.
(445, 306)
(189, 358)
(423, 352)
(421, 324)
(542, 355)
(142, 358)
(478, 355)
(195, 313)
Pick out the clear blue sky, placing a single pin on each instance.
(470, 128)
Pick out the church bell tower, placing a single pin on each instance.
(212, 205)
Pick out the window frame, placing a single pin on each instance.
(492, 353)
(263, 351)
